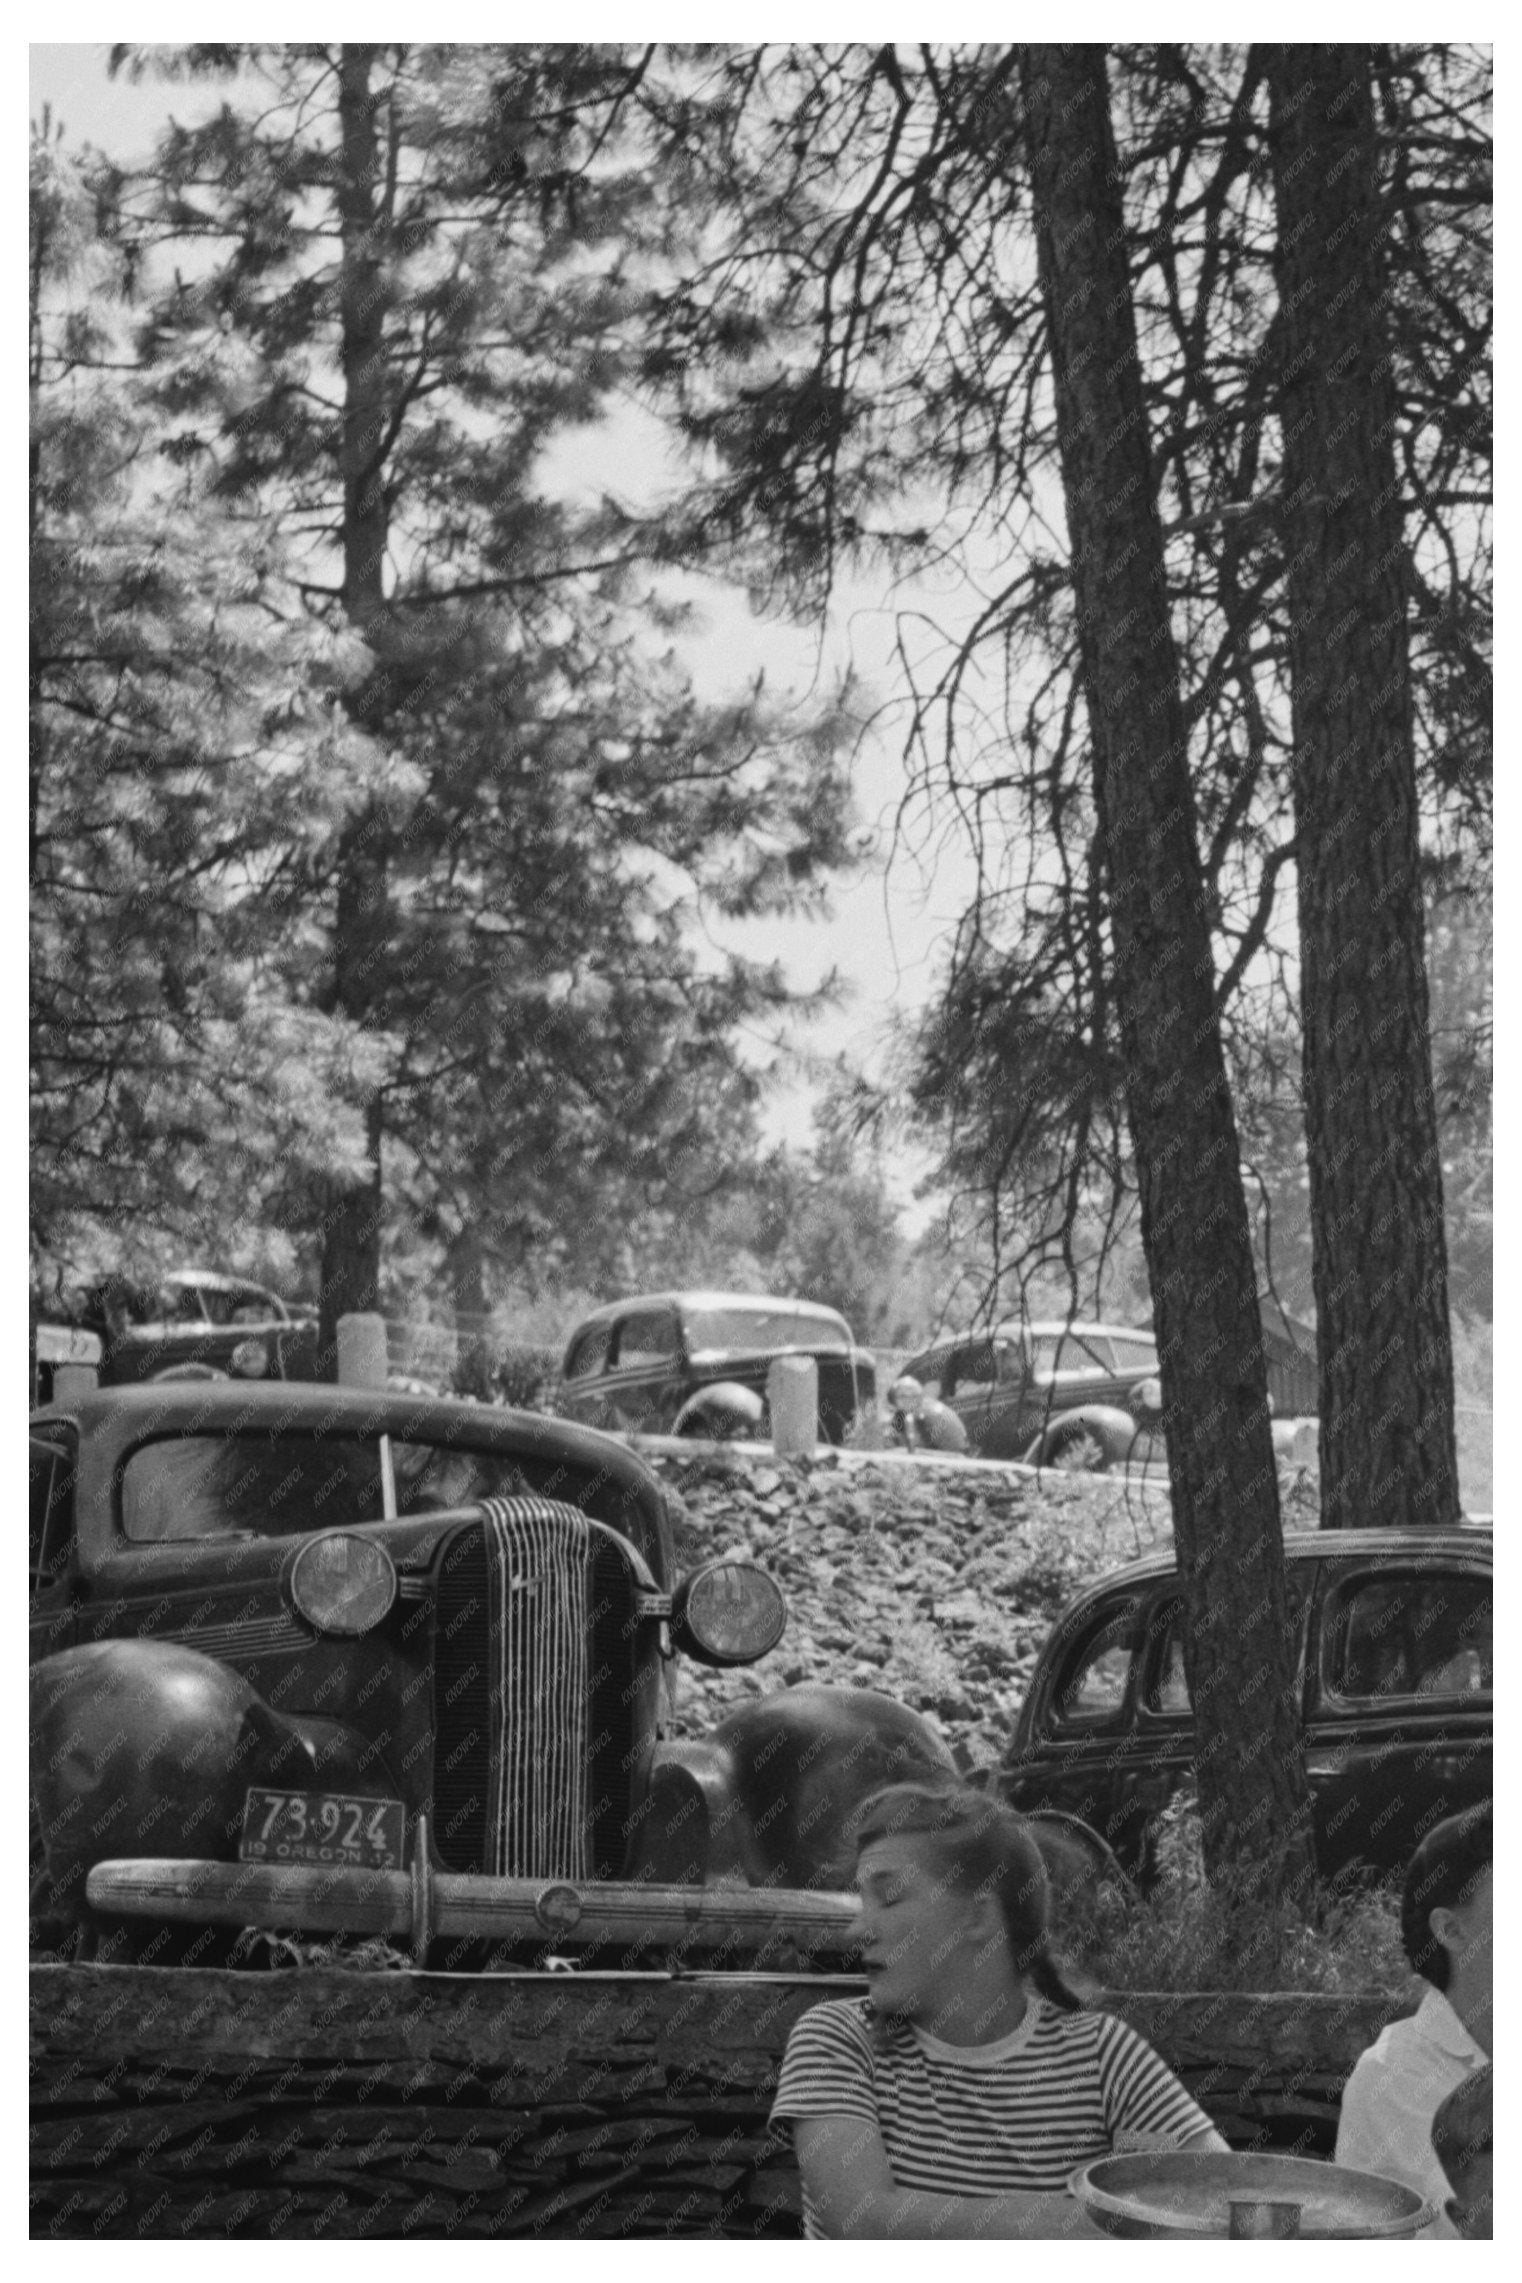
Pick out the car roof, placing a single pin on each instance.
(1040, 1327)
(692, 1300)
(1306, 1545)
(113, 1419)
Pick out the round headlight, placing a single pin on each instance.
(343, 1583)
(729, 1613)
(250, 1359)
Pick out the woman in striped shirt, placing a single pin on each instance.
(956, 2098)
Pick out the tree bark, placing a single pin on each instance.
(1195, 1232)
(1379, 1256)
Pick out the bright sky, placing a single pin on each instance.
(888, 925)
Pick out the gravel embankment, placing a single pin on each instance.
(934, 1582)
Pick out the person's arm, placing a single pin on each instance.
(855, 2197)
(1146, 2106)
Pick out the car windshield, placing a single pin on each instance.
(762, 1327)
(218, 1486)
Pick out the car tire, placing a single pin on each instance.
(1081, 1867)
(188, 1371)
(1078, 1450)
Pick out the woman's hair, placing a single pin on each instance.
(1442, 1875)
(980, 1847)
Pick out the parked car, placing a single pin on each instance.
(1068, 1394)
(1394, 1644)
(331, 1659)
(196, 1324)
(696, 1363)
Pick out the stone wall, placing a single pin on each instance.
(322, 2104)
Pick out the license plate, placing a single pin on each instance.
(337, 1828)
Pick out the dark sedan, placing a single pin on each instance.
(196, 1324)
(1394, 1638)
(696, 1363)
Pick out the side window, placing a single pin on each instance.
(1091, 1689)
(1165, 1691)
(971, 1366)
(1417, 1633)
(589, 1353)
(649, 1337)
(1136, 1355)
(50, 1504)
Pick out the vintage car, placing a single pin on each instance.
(348, 1662)
(1394, 1643)
(196, 1324)
(1068, 1395)
(696, 1363)
(1081, 1397)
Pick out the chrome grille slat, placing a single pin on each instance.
(538, 1559)
(536, 1626)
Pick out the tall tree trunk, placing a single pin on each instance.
(1194, 1217)
(352, 1223)
(1379, 1256)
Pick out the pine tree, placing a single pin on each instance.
(428, 261)
(171, 796)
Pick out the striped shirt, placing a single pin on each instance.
(977, 2120)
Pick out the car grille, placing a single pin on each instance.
(534, 1703)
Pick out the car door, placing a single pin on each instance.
(1399, 1733)
(1081, 1752)
(645, 1381)
(582, 1391)
(967, 1386)
(1164, 1762)
(982, 1380)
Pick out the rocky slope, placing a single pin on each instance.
(934, 1581)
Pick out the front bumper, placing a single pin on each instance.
(417, 1907)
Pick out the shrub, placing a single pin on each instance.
(1337, 1939)
(517, 1373)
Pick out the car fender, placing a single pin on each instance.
(1115, 1431)
(778, 1780)
(715, 1410)
(146, 1748)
